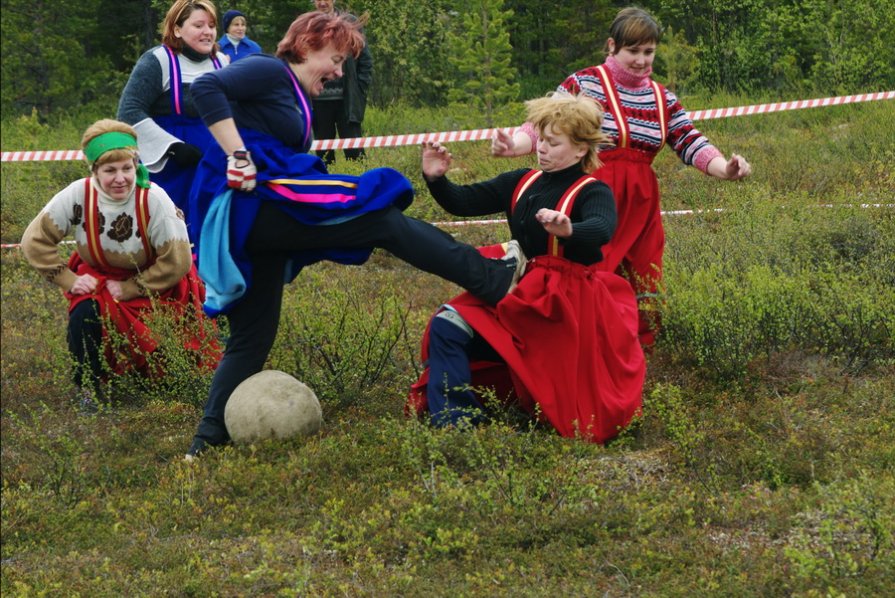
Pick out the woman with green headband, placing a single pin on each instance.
(132, 253)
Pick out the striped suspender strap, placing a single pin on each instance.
(524, 183)
(662, 111)
(142, 210)
(174, 81)
(92, 224)
(564, 205)
(615, 105)
(306, 113)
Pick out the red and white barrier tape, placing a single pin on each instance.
(483, 134)
(793, 105)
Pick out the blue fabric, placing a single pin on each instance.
(228, 18)
(224, 282)
(223, 218)
(245, 48)
(173, 178)
(450, 400)
(258, 94)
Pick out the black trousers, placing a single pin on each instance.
(329, 117)
(255, 319)
(85, 342)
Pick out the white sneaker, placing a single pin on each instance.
(514, 252)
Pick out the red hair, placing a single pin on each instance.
(314, 30)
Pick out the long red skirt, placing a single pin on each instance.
(639, 240)
(568, 337)
(130, 319)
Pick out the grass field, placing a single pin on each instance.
(763, 464)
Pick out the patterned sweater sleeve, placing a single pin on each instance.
(40, 242)
(693, 148)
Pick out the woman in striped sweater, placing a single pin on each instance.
(641, 117)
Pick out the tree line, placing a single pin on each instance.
(482, 53)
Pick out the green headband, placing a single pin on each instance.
(113, 140)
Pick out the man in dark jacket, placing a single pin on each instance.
(340, 107)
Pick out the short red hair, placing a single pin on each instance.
(314, 30)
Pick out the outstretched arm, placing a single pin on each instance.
(505, 145)
(436, 160)
(731, 170)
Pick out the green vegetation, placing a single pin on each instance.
(66, 53)
(763, 463)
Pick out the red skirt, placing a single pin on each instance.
(639, 239)
(568, 337)
(130, 319)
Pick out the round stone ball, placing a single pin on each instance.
(272, 404)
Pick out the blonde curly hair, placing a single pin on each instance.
(579, 117)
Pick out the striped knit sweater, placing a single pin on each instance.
(639, 102)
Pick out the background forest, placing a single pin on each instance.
(481, 53)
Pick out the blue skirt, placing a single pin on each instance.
(300, 186)
(176, 180)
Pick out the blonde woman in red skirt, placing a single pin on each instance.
(641, 117)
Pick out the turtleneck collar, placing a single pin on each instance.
(575, 169)
(106, 198)
(192, 54)
(624, 77)
(234, 40)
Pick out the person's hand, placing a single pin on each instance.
(503, 144)
(185, 155)
(436, 160)
(114, 288)
(555, 223)
(737, 168)
(241, 171)
(83, 285)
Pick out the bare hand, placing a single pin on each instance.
(737, 168)
(436, 160)
(114, 287)
(503, 144)
(555, 223)
(84, 284)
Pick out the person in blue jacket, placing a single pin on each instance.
(268, 207)
(235, 43)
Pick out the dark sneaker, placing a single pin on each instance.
(198, 447)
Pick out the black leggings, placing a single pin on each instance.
(85, 343)
(255, 319)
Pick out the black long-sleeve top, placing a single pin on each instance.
(593, 214)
